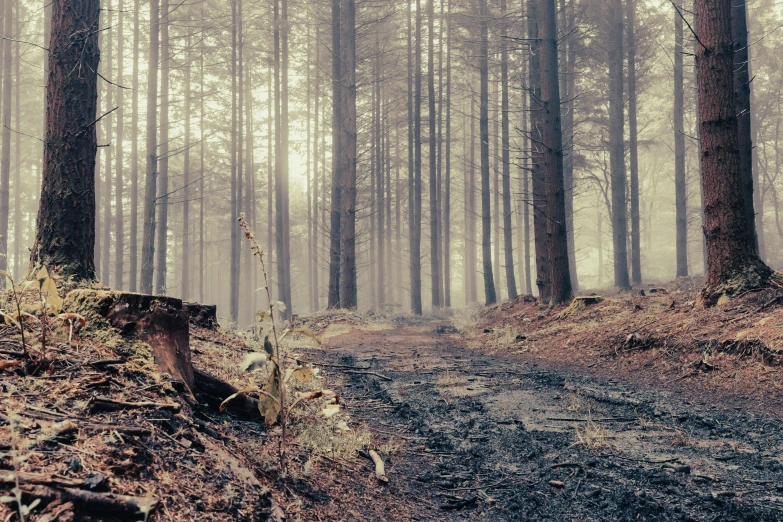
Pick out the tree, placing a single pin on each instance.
(150, 183)
(133, 240)
(680, 194)
(5, 156)
(447, 188)
(65, 234)
(348, 286)
(633, 147)
(617, 146)
(739, 34)
(434, 226)
(119, 223)
(733, 264)
(416, 305)
(162, 201)
(508, 233)
(552, 142)
(336, 204)
(486, 220)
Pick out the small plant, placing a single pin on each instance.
(272, 404)
(591, 435)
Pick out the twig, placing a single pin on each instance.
(355, 372)
(105, 403)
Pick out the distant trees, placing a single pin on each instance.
(66, 219)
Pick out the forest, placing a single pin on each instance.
(363, 260)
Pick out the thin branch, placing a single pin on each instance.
(28, 43)
(689, 25)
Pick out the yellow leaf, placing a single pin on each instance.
(71, 317)
(262, 315)
(48, 286)
(54, 303)
(330, 410)
(243, 391)
(42, 274)
(10, 321)
(303, 374)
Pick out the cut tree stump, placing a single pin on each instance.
(201, 315)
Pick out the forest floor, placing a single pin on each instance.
(636, 407)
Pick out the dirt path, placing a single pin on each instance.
(473, 437)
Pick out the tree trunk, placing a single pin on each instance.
(508, 232)
(348, 286)
(680, 189)
(617, 147)
(557, 238)
(162, 201)
(536, 156)
(739, 35)
(336, 204)
(569, 57)
(150, 183)
(379, 198)
(234, 267)
(733, 262)
(119, 224)
(284, 248)
(5, 158)
(65, 233)
(472, 241)
(633, 147)
(133, 239)
(447, 183)
(524, 175)
(106, 222)
(317, 172)
(188, 94)
(18, 193)
(416, 304)
(434, 227)
(486, 216)
(201, 262)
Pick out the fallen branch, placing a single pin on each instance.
(89, 502)
(105, 403)
(380, 469)
(355, 372)
(42, 479)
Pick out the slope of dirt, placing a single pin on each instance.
(472, 436)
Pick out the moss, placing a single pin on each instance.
(753, 276)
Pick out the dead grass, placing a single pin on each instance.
(591, 435)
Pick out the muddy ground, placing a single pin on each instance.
(471, 436)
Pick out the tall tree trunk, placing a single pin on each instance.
(495, 198)
(133, 238)
(281, 160)
(569, 58)
(308, 172)
(5, 158)
(524, 176)
(317, 172)
(486, 216)
(151, 173)
(185, 276)
(472, 241)
(617, 147)
(552, 138)
(633, 147)
(733, 262)
(680, 189)
(536, 156)
(271, 135)
(508, 232)
(18, 150)
(434, 227)
(241, 178)
(397, 288)
(373, 176)
(202, 168)
(416, 304)
(234, 267)
(106, 222)
(447, 183)
(65, 233)
(119, 223)
(380, 200)
(161, 267)
(336, 204)
(739, 34)
(348, 286)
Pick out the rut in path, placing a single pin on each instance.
(516, 438)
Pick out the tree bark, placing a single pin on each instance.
(119, 223)
(336, 204)
(65, 233)
(284, 241)
(317, 172)
(733, 262)
(5, 157)
(133, 237)
(348, 286)
(379, 170)
(486, 217)
(434, 226)
(416, 304)
(162, 202)
(106, 222)
(536, 158)
(557, 238)
(447, 182)
(508, 232)
(633, 147)
(234, 268)
(185, 275)
(680, 189)
(617, 146)
(151, 172)
(739, 34)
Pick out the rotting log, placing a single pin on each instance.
(213, 391)
(204, 316)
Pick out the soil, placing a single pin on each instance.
(495, 437)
